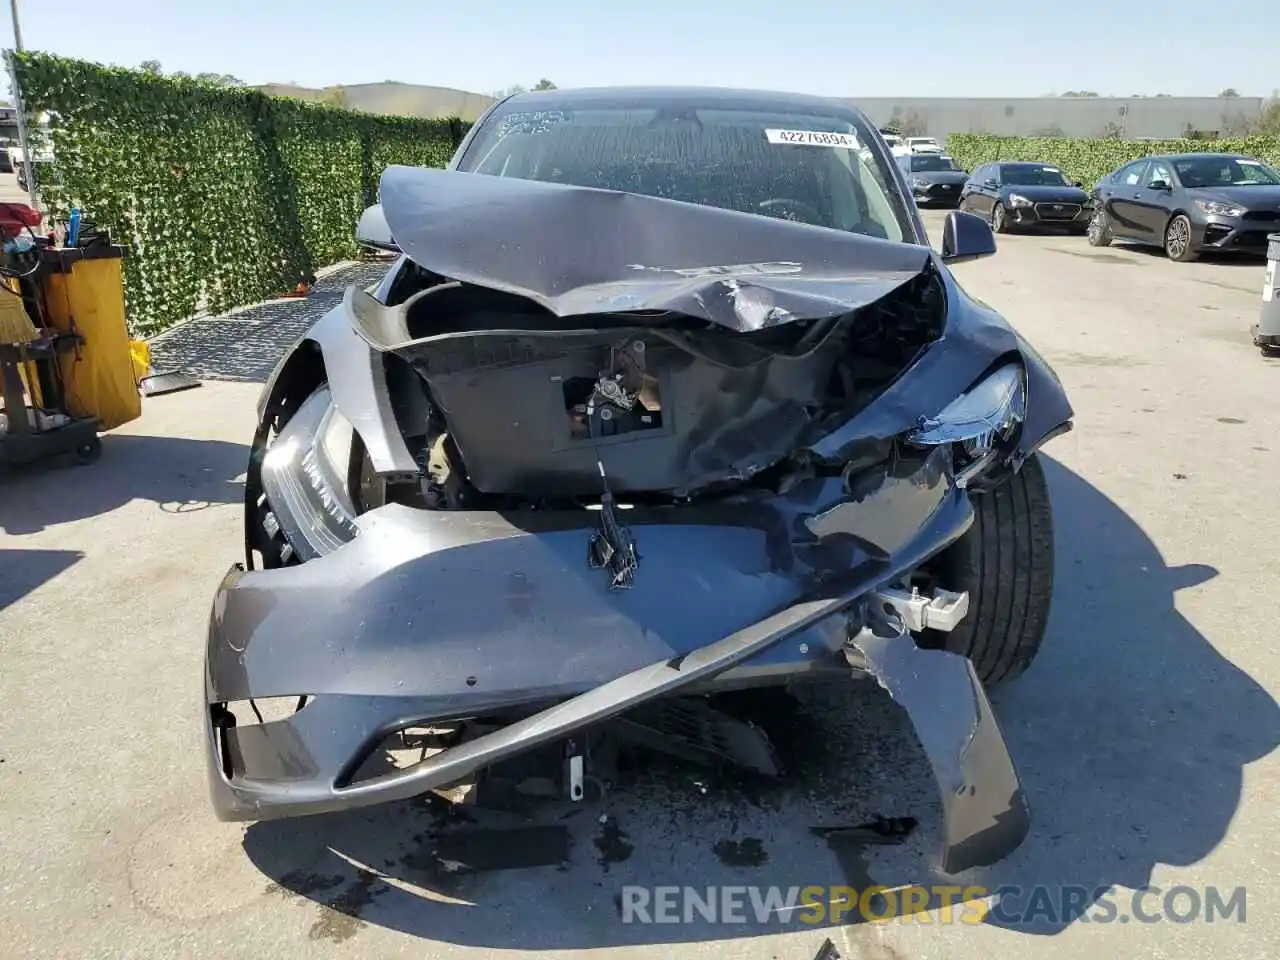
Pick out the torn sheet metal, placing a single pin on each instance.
(579, 251)
(984, 808)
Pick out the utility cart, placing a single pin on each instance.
(40, 351)
(34, 432)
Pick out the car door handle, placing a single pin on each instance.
(1137, 196)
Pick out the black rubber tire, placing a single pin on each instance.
(1099, 230)
(999, 218)
(1188, 253)
(89, 451)
(1006, 563)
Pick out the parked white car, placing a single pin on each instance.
(923, 145)
(906, 146)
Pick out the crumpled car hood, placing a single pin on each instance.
(580, 251)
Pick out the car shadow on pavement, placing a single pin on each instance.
(22, 571)
(1223, 258)
(180, 474)
(1131, 733)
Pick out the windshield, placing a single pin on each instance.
(794, 166)
(1033, 176)
(1224, 172)
(931, 162)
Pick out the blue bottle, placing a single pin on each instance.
(73, 228)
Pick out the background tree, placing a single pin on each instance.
(1080, 93)
(220, 79)
(544, 84)
(1229, 92)
(217, 79)
(914, 125)
(1268, 124)
(334, 97)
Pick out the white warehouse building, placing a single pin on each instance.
(1130, 117)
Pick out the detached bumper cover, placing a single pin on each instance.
(985, 812)
(435, 616)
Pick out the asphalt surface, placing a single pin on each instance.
(1145, 734)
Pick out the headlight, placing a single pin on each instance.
(1217, 208)
(1018, 200)
(304, 475)
(919, 182)
(987, 411)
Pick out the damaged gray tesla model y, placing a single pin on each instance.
(665, 394)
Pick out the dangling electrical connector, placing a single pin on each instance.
(612, 547)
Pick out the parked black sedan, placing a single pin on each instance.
(933, 178)
(1189, 203)
(1026, 195)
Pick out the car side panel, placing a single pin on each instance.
(1152, 208)
(1121, 200)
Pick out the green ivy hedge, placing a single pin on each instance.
(1089, 160)
(224, 196)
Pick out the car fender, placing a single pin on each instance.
(356, 374)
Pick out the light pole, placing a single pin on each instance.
(24, 142)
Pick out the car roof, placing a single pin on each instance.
(1193, 155)
(708, 97)
(1024, 163)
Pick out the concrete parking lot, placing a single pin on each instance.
(1145, 734)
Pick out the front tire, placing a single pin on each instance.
(1177, 240)
(1006, 562)
(1099, 230)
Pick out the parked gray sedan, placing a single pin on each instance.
(1189, 203)
(933, 178)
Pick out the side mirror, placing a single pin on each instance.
(966, 236)
(1158, 185)
(991, 183)
(1077, 183)
(373, 231)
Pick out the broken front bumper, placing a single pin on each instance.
(434, 616)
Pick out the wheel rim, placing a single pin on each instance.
(997, 216)
(1096, 227)
(1178, 237)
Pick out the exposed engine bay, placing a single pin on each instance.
(506, 406)
(662, 410)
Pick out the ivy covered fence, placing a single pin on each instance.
(222, 195)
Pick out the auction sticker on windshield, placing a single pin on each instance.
(813, 138)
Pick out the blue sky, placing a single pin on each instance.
(996, 48)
